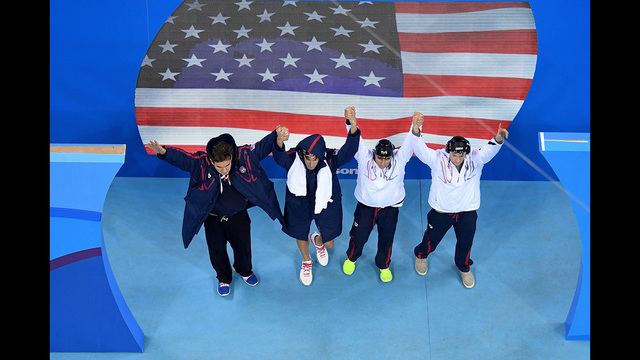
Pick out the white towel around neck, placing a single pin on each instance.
(297, 183)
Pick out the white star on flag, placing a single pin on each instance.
(194, 61)
(287, 29)
(219, 19)
(221, 75)
(342, 61)
(341, 31)
(264, 45)
(289, 60)
(220, 47)
(195, 6)
(372, 79)
(244, 61)
(168, 47)
(268, 75)
(265, 16)
(169, 75)
(314, 44)
(315, 77)
(244, 4)
(192, 32)
(242, 32)
(314, 16)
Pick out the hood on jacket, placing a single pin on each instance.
(229, 140)
(314, 144)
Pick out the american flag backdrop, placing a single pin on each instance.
(245, 67)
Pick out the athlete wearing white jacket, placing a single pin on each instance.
(453, 190)
(382, 187)
(380, 193)
(454, 196)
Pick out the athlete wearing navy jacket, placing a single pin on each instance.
(225, 181)
(313, 192)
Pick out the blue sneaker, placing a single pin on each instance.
(251, 280)
(223, 289)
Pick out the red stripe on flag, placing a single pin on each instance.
(443, 7)
(496, 42)
(266, 121)
(245, 119)
(495, 87)
(302, 124)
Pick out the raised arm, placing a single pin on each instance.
(280, 155)
(177, 157)
(501, 134)
(350, 115)
(412, 140)
(283, 135)
(264, 147)
(350, 147)
(157, 148)
(363, 150)
(422, 151)
(487, 152)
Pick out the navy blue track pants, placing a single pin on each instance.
(464, 225)
(364, 220)
(236, 230)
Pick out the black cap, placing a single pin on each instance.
(458, 143)
(384, 148)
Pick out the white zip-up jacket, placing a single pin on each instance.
(378, 187)
(453, 191)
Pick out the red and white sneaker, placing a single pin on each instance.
(305, 273)
(321, 251)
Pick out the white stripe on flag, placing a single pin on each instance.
(321, 104)
(487, 20)
(469, 64)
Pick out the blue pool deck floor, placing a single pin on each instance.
(526, 257)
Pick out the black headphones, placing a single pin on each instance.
(458, 143)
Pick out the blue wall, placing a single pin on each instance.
(96, 49)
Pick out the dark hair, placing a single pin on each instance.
(221, 151)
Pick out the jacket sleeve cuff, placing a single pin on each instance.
(162, 156)
(276, 147)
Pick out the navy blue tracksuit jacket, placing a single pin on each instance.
(300, 208)
(204, 186)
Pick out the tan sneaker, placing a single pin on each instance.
(467, 279)
(421, 266)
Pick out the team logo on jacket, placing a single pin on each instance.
(243, 169)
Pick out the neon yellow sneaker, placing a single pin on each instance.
(349, 267)
(385, 275)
